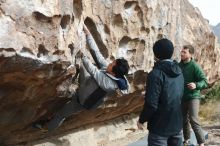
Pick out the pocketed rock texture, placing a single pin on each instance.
(40, 38)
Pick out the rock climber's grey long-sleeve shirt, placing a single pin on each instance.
(98, 77)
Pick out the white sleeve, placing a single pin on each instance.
(94, 48)
(101, 78)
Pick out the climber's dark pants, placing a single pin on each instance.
(70, 107)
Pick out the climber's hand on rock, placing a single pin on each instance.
(140, 126)
(85, 29)
(79, 55)
(71, 69)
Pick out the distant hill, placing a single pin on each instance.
(216, 30)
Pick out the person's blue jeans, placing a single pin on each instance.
(157, 140)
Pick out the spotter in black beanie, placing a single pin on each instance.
(163, 49)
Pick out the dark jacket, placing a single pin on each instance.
(162, 107)
(192, 72)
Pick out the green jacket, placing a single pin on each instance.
(192, 72)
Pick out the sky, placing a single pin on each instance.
(210, 9)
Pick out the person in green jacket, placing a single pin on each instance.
(195, 80)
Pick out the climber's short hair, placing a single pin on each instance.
(121, 68)
(190, 47)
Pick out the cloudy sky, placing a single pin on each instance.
(210, 9)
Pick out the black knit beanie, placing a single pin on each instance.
(163, 49)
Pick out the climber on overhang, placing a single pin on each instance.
(95, 83)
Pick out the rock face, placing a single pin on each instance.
(40, 38)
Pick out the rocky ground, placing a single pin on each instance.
(214, 135)
(123, 131)
(130, 139)
(210, 120)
